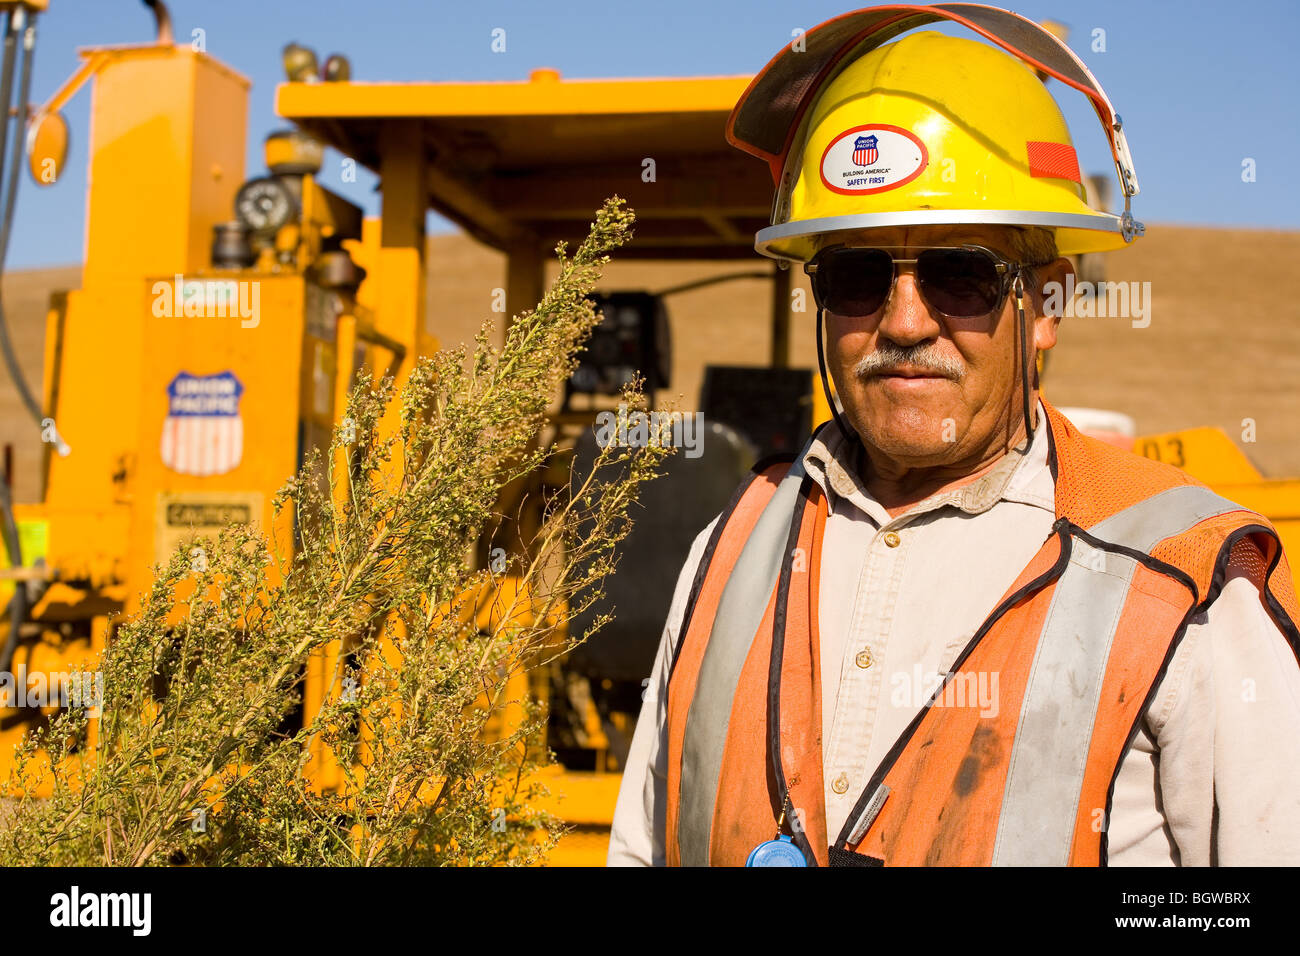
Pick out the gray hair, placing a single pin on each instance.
(1033, 245)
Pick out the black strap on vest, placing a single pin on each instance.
(842, 857)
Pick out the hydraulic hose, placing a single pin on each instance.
(11, 188)
(16, 149)
(10, 169)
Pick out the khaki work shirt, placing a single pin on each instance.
(1213, 774)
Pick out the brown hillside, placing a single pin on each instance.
(1220, 346)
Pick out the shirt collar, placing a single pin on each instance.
(1023, 477)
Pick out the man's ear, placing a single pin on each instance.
(1051, 300)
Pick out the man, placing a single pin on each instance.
(955, 630)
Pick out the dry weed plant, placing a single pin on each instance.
(194, 758)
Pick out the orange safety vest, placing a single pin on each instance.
(1079, 644)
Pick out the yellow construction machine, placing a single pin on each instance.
(223, 317)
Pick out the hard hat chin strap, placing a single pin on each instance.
(1022, 356)
(848, 433)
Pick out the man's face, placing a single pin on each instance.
(923, 389)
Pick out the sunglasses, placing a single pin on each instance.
(961, 282)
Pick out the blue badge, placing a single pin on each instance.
(778, 852)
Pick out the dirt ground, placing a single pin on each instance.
(1220, 346)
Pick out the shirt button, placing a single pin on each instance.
(863, 659)
(892, 539)
(841, 784)
(840, 481)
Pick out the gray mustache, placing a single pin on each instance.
(927, 357)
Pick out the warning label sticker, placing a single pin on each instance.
(189, 516)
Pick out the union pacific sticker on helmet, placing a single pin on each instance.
(871, 159)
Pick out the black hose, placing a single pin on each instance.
(16, 151)
(16, 23)
(10, 196)
(6, 220)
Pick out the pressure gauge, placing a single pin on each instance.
(264, 205)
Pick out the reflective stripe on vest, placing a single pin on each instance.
(740, 611)
(1054, 733)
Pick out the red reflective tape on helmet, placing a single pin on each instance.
(1054, 160)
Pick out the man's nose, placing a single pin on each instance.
(906, 320)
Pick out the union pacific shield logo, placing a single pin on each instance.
(203, 433)
(865, 151)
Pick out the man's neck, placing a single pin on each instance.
(898, 489)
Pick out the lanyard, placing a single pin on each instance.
(864, 813)
(798, 839)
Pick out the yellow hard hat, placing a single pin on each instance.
(927, 130)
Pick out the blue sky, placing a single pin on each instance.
(1199, 86)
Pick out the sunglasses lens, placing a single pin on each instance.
(962, 283)
(854, 281)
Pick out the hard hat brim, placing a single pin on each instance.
(1075, 233)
